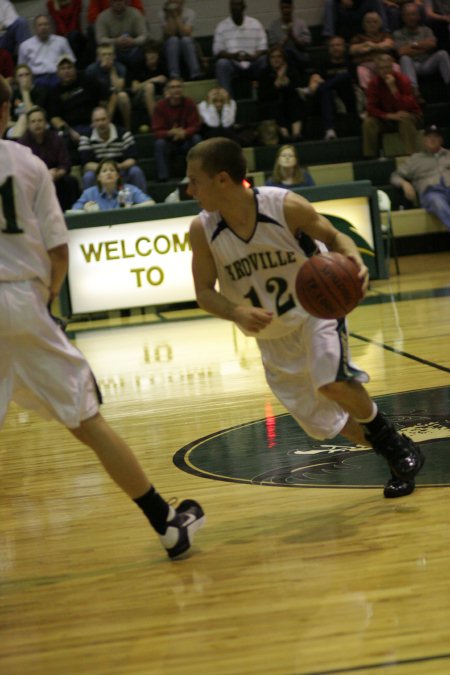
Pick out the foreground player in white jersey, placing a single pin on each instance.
(253, 243)
(39, 367)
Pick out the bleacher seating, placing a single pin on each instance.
(329, 162)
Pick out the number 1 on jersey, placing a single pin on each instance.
(9, 207)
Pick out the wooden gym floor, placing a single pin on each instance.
(303, 566)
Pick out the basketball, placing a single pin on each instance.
(327, 285)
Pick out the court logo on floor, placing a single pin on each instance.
(275, 451)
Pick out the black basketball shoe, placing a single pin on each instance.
(404, 457)
(189, 517)
(395, 487)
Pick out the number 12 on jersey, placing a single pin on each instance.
(278, 286)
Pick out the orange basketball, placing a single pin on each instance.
(327, 285)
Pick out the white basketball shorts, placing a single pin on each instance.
(39, 368)
(298, 364)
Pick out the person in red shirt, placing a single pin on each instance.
(176, 125)
(391, 106)
(66, 15)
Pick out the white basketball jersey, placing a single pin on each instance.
(261, 271)
(31, 220)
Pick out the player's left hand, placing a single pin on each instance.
(253, 319)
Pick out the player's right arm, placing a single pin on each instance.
(52, 225)
(204, 272)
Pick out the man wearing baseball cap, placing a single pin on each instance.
(72, 102)
(426, 175)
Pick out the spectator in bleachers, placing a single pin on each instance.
(177, 25)
(333, 80)
(393, 12)
(292, 34)
(437, 17)
(110, 75)
(277, 94)
(94, 8)
(416, 46)
(391, 106)
(108, 141)
(14, 29)
(43, 51)
(287, 172)
(426, 174)
(218, 113)
(66, 15)
(110, 192)
(71, 103)
(176, 125)
(366, 45)
(123, 27)
(25, 95)
(239, 45)
(150, 79)
(344, 17)
(50, 147)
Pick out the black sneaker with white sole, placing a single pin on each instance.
(189, 517)
(404, 457)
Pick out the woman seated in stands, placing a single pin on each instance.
(277, 94)
(109, 193)
(218, 113)
(287, 171)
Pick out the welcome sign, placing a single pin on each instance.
(130, 265)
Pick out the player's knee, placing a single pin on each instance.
(84, 431)
(332, 390)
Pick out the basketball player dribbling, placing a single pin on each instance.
(39, 367)
(252, 242)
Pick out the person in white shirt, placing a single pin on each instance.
(14, 29)
(218, 113)
(239, 45)
(39, 367)
(43, 51)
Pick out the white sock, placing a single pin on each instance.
(171, 514)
